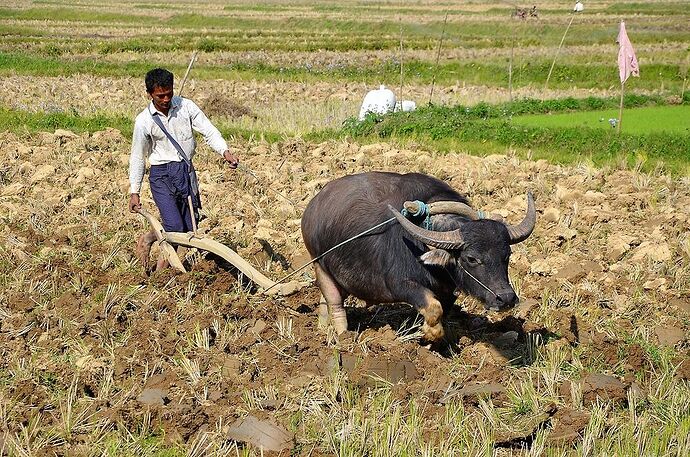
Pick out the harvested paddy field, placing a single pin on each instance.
(92, 346)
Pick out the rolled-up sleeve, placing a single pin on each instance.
(141, 147)
(201, 124)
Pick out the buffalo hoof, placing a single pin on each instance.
(340, 324)
(432, 334)
(322, 313)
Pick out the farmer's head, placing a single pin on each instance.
(159, 85)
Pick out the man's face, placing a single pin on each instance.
(161, 97)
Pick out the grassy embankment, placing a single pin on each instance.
(562, 131)
(559, 139)
(24, 122)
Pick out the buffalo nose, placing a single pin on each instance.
(506, 299)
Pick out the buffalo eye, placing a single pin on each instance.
(472, 261)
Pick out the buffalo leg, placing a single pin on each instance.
(430, 308)
(331, 302)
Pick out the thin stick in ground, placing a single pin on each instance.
(438, 56)
(510, 69)
(189, 68)
(620, 109)
(401, 58)
(546, 84)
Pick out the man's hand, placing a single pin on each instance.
(231, 159)
(134, 203)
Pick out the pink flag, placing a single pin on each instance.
(627, 61)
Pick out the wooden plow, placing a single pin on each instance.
(192, 240)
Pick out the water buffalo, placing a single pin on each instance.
(401, 261)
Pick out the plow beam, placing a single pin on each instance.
(166, 239)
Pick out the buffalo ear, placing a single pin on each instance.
(437, 257)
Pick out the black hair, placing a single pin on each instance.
(158, 77)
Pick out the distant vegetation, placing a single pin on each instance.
(314, 27)
(24, 122)
(447, 128)
(52, 62)
(58, 38)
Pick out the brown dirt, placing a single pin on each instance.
(190, 349)
(568, 425)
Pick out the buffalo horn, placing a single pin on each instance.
(452, 207)
(442, 240)
(524, 229)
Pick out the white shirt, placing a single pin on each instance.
(149, 141)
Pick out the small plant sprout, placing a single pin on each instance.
(190, 368)
(594, 429)
(410, 329)
(533, 342)
(284, 326)
(31, 438)
(110, 298)
(201, 338)
(576, 394)
(109, 258)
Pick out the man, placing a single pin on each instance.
(163, 134)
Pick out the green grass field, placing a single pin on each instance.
(654, 119)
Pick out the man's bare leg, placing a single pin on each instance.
(143, 248)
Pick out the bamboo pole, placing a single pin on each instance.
(510, 70)
(189, 67)
(620, 109)
(401, 58)
(557, 52)
(438, 57)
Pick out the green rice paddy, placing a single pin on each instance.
(653, 119)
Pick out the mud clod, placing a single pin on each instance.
(471, 393)
(568, 425)
(153, 397)
(598, 386)
(260, 433)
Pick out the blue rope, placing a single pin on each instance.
(422, 210)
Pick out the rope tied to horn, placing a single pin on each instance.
(417, 209)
